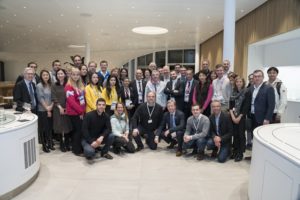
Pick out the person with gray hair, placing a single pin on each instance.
(25, 91)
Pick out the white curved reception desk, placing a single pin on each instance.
(19, 155)
(275, 164)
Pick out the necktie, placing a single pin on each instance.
(140, 86)
(172, 121)
(33, 103)
(155, 88)
(127, 93)
(188, 87)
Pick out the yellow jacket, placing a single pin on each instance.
(113, 96)
(92, 93)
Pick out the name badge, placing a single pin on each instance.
(186, 97)
(140, 98)
(113, 105)
(128, 102)
(81, 100)
(150, 121)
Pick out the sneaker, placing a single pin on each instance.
(107, 156)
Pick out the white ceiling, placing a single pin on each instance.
(49, 26)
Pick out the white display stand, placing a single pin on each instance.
(275, 164)
(19, 155)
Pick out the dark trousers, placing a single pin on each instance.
(149, 136)
(108, 110)
(169, 139)
(239, 138)
(76, 134)
(90, 152)
(44, 128)
(224, 150)
(198, 145)
(187, 110)
(121, 142)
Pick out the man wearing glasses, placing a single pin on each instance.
(36, 79)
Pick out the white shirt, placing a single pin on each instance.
(254, 94)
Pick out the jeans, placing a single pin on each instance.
(90, 152)
(198, 144)
(224, 150)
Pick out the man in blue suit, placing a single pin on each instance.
(172, 126)
(262, 100)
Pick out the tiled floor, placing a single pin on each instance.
(153, 175)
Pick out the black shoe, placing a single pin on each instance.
(200, 156)
(62, 148)
(107, 156)
(233, 155)
(238, 158)
(172, 144)
(139, 149)
(249, 147)
(51, 147)
(214, 154)
(45, 149)
(117, 150)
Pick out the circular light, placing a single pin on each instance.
(149, 30)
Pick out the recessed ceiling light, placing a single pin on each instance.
(61, 15)
(208, 17)
(188, 8)
(24, 7)
(15, 15)
(149, 30)
(76, 46)
(77, 7)
(242, 11)
(132, 7)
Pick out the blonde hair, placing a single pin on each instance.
(78, 84)
(125, 111)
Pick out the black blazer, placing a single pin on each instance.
(123, 95)
(264, 103)
(21, 78)
(225, 127)
(21, 95)
(178, 96)
(194, 83)
(135, 90)
(179, 121)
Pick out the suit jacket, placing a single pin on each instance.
(264, 103)
(194, 83)
(123, 95)
(225, 127)
(135, 90)
(165, 123)
(178, 96)
(21, 95)
(21, 78)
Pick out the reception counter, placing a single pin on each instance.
(275, 164)
(19, 155)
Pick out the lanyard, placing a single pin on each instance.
(198, 121)
(150, 114)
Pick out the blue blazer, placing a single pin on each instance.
(179, 122)
(264, 103)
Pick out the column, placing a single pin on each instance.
(229, 32)
(197, 57)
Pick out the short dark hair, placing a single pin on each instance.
(103, 61)
(100, 100)
(28, 65)
(258, 71)
(55, 61)
(273, 69)
(219, 65)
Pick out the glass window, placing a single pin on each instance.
(175, 56)
(189, 56)
(160, 58)
(149, 58)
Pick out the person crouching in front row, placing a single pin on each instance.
(220, 132)
(172, 127)
(197, 127)
(97, 130)
(120, 129)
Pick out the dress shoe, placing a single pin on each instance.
(200, 156)
(172, 144)
(139, 149)
(238, 158)
(107, 156)
(233, 155)
(51, 147)
(117, 150)
(45, 149)
(178, 153)
(214, 154)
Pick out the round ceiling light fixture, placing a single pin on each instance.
(149, 30)
(76, 46)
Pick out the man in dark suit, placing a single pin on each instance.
(127, 97)
(220, 132)
(25, 91)
(189, 86)
(262, 98)
(172, 126)
(138, 87)
(174, 90)
(205, 68)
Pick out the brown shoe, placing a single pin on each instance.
(178, 153)
(107, 156)
(200, 156)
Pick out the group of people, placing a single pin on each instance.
(91, 111)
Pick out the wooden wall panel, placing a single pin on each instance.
(272, 18)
